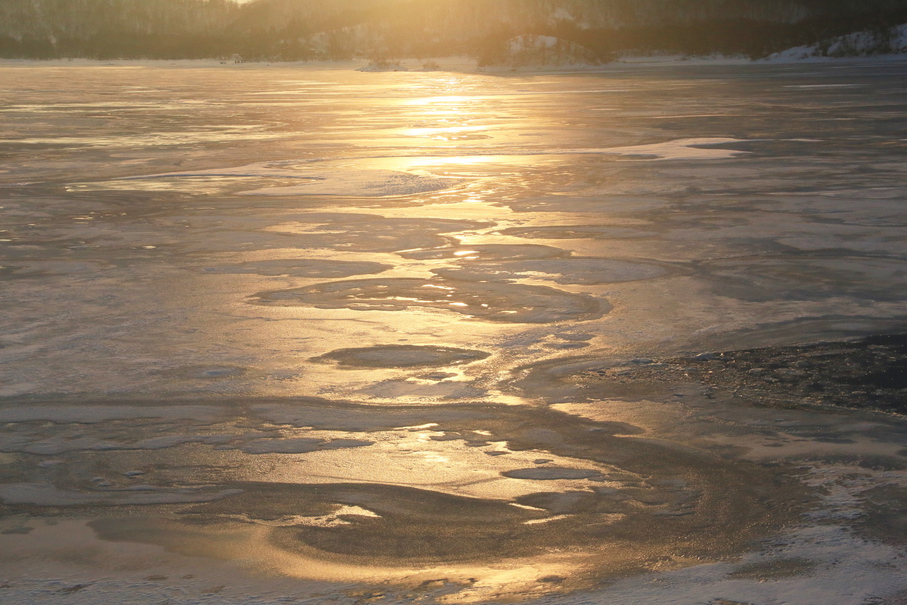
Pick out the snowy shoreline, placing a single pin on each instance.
(794, 56)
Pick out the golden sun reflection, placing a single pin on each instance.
(421, 332)
(258, 547)
(448, 130)
(449, 99)
(465, 160)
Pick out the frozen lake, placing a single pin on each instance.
(289, 334)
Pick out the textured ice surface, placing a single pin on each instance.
(682, 149)
(499, 252)
(47, 495)
(394, 356)
(512, 303)
(570, 271)
(303, 267)
(317, 179)
(288, 333)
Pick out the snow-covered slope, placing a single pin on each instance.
(858, 44)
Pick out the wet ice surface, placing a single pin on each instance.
(282, 333)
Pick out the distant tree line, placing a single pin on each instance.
(292, 30)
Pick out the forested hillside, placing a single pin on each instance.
(334, 29)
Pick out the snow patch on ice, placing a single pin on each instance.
(819, 563)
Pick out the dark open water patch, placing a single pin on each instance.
(870, 373)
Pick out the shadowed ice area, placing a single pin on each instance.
(273, 334)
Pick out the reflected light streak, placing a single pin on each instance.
(463, 160)
(449, 99)
(425, 132)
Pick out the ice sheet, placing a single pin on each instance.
(310, 333)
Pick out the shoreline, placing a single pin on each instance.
(465, 64)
